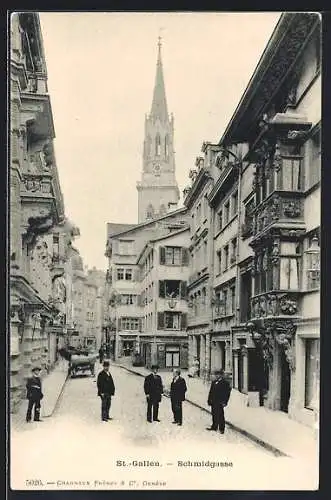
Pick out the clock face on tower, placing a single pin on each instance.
(156, 168)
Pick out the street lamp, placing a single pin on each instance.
(313, 253)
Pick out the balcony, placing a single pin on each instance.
(198, 276)
(281, 209)
(275, 304)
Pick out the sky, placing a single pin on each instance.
(101, 71)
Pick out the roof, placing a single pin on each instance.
(127, 228)
(170, 234)
(284, 46)
(118, 228)
(159, 104)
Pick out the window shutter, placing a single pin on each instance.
(162, 255)
(160, 321)
(136, 275)
(139, 300)
(119, 324)
(185, 257)
(183, 321)
(183, 290)
(162, 289)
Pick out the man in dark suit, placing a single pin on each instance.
(153, 388)
(178, 389)
(106, 389)
(34, 395)
(218, 398)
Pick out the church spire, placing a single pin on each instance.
(159, 104)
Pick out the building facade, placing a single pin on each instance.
(158, 190)
(39, 232)
(123, 283)
(163, 266)
(265, 221)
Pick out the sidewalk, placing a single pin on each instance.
(52, 387)
(273, 430)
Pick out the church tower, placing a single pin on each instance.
(158, 191)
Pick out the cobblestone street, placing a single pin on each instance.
(79, 447)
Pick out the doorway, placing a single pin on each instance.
(172, 356)
(285, 383)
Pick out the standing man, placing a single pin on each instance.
(101, 354)
(218, 398)
(178, 389)
(34, 395)
(106, 389)
(153, 388)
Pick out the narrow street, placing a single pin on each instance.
(79, 447)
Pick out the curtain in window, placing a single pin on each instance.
(289, 273)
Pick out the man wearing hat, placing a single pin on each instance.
(218, 398)
(153, 388)
(106, 389)
(178, 389)
(34, 395)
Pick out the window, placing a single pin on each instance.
(130, 323)
(291, 174)
(172, 289)
(225, 302)
(172, 321)
(204, 298)
(172, 356)
(128, 275)
(247, 228)
(219, 261)
(169, 320)
(220, 220)
(289, 266)
(233, 299)
(150, 212)
(234, 203)
(226, 212)
(173, 256)
(157, 145)
(226, 257)
(120, 273)
(264, 279)
(128, 299)
(233, 257)
(166, 146)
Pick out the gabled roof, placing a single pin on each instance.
(123, 229)
(113, 228)
(170, 234)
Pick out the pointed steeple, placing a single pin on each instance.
(159, 104)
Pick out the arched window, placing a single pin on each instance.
(166, 146)
(157, 145)
(163, 210)
(148, 145)
(150, 212)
